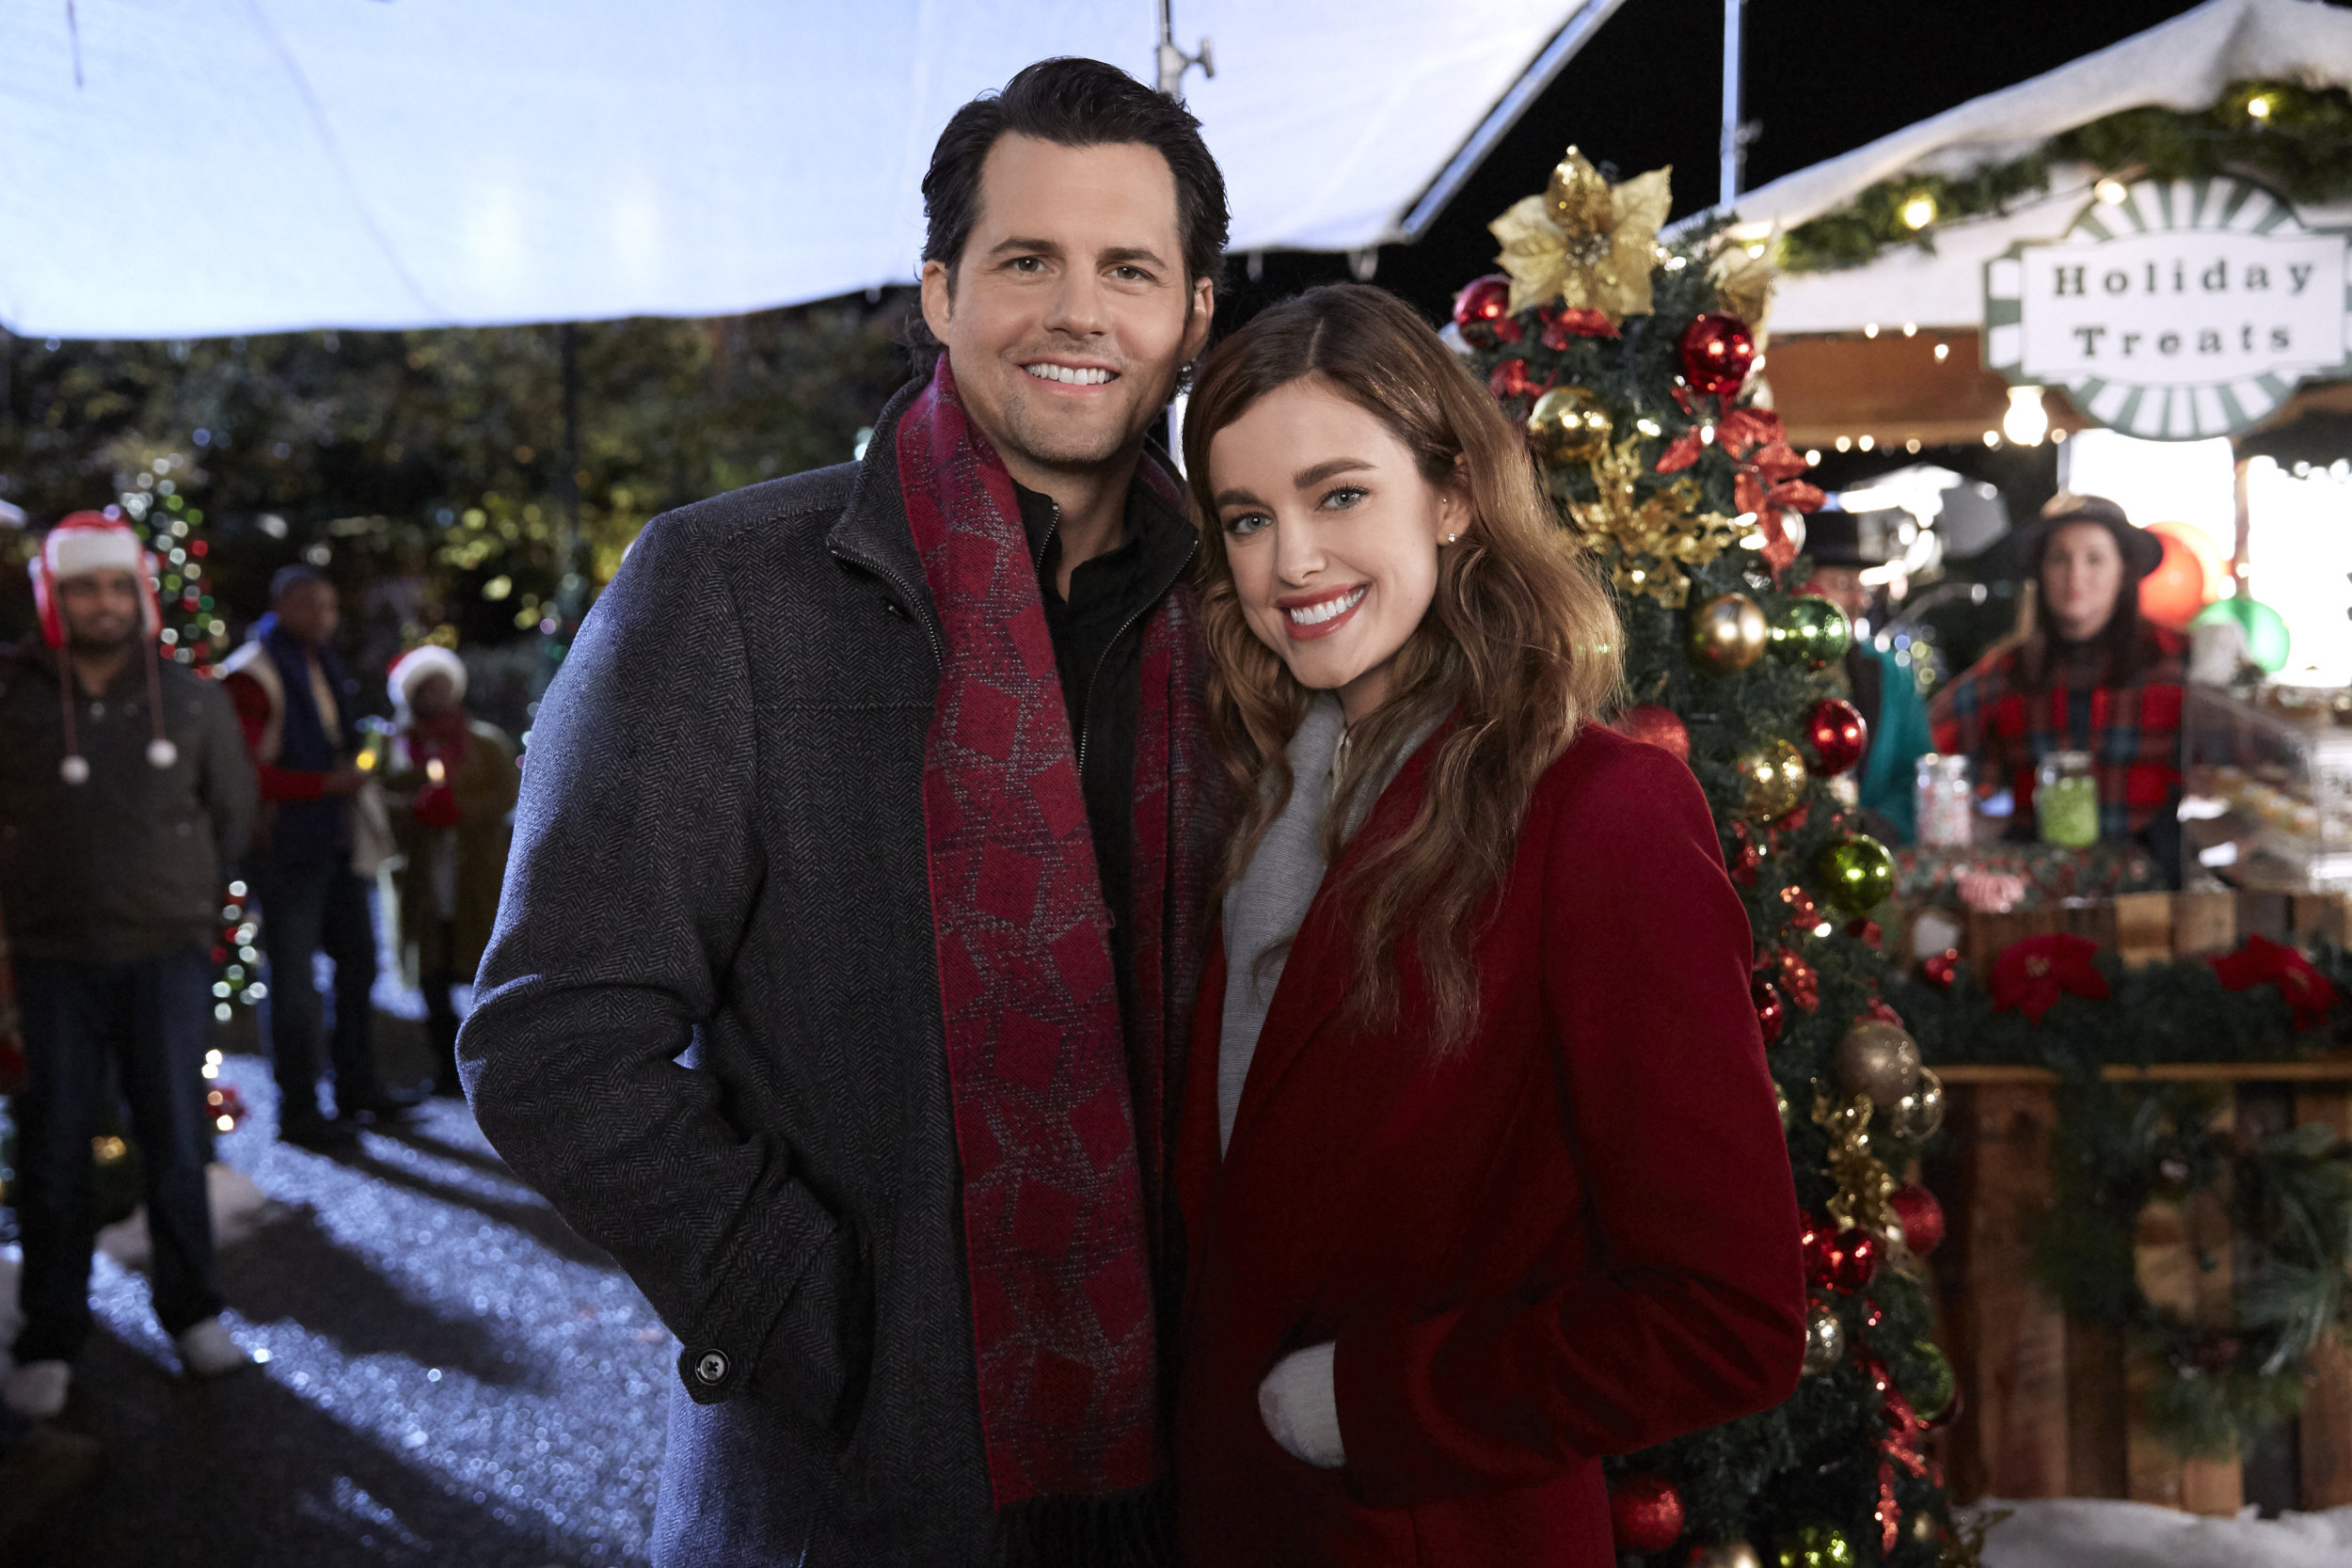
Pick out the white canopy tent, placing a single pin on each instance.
(2185, 64)
(190, 167)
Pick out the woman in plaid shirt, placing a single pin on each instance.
(2092, 676)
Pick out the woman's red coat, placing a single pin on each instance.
(1575, 1237)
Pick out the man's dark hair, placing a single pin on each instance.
(288, 578)
(1075, 102)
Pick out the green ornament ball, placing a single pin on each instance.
(1811, 631)
(1817, 1546)
(1856, 873)
(1931, 1392)
(2266, 637)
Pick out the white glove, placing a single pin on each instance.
(1301, 1407)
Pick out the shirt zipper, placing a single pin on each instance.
(1086, 707)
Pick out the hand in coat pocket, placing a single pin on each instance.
(1301, 1409)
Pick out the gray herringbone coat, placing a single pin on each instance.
(708, 1023)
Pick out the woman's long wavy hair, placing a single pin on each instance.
(1520, 647)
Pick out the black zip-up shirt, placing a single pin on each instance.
(1098, 649)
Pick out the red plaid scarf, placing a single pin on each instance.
(1062, 1199)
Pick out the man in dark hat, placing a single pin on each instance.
(2089, 675)
(1842, 546)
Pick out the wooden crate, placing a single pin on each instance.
(2049, 1399)
(2159, 927)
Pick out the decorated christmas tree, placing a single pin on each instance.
(1632, 364)
(150, 482)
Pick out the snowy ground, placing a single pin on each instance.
(2080, 1533)
(452, 1375)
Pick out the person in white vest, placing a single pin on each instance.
(293, 700)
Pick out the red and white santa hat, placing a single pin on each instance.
(429, 658)
(82, 543)
(85, 542)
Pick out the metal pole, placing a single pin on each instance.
(1733, 149)
(1172, 62)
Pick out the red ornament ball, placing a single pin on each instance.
(1660, 726)
(1841, 1260)
(1646, 1514)
(1839, 734)
(1716, 353)
(1942, 969)
(1769, 1014)
(1922, 1217)
(1482, 313)
(1510, 379)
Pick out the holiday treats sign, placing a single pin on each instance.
(2184, 310)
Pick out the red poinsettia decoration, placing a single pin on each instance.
(2030, 975)
(2263, 963)
(1576, 320)
(1767, 478)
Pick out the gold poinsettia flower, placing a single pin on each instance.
(1743, 276)
(1649, 541)
(1584, 242)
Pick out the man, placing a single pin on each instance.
(124, 795)
(452, 780)
(1882, 687)
(290, 689)
(848, 949)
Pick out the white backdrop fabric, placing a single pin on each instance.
(191, 167)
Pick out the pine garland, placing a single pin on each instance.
(2300, 144)
(2120, 1147)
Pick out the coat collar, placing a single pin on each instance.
(872, 531)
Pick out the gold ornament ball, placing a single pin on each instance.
(1727, 1554)
(1568, 425)
(1878, 1059)
(1920, 1113)
(1772, 780)
(1824, 1341)
(1728, 633)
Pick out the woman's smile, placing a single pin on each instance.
(1307, 616)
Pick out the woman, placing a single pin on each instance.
(1480, 1166)
(2090, 675)
(453, 780)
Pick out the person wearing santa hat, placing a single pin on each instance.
(125, 796)
(452, 782)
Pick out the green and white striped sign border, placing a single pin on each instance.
(2222, 204)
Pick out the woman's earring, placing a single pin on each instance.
(1451, 537)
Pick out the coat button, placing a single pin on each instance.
(711, 1367)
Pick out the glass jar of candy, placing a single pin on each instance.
(2066, 799)
(1941, 799)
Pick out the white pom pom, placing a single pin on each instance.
(161, 754)
(75, 769)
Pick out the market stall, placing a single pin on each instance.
(2127, 278)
